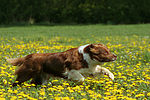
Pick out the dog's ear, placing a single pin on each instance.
(100, 44)
(93, 49)
(91, 45)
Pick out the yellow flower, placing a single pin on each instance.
(5, 81)
(148, 94)
(13, 98)
(42, 92)
(65, 98)
(83, 99)
(83, 94)
(107, 93)
(2, 99)
(54, 81)
(139, 95)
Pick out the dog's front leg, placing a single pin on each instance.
(102, 70)
(76, 76)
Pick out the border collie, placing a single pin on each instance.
(74, 64)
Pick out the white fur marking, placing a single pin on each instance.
(86, 56)
(81, 48)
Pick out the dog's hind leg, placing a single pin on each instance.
(37, 80)
(76, 76)
(21, 78)
(41, 79)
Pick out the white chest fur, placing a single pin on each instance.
(91, 63)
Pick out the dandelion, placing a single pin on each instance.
(107, 93)
(42, 92)
(54, 81)
(2, 99)
(65, 98)
(13, 98)
(84, 99)
(83, 94)
(148, 94)
(139, 95)
(5, 81)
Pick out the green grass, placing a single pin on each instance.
(130, 43)
(85, 33)
(75, 31)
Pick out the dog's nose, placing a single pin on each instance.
(115, 56)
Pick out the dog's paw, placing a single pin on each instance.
(108, 73)
(111, 76)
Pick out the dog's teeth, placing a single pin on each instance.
(113, 58)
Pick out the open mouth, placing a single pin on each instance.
(108, 60)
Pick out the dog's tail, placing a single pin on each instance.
(16, 61)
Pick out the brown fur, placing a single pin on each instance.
(41, 66)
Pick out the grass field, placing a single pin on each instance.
(131, 43)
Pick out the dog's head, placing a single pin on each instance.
(100, 53)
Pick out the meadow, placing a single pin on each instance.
(131, 43)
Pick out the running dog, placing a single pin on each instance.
(74, 64)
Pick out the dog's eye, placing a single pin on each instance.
(105, 53)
